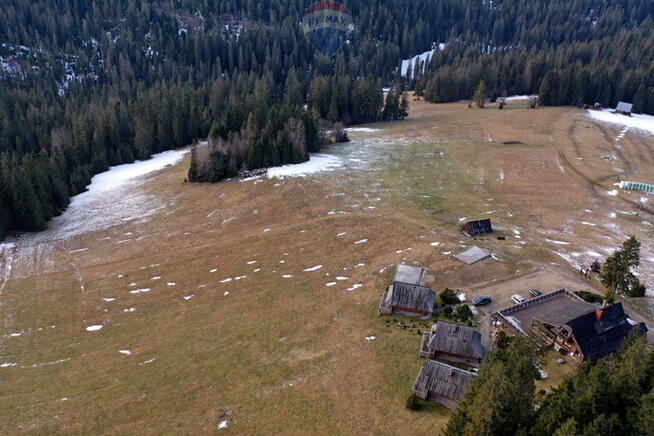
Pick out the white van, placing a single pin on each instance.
(517, 299)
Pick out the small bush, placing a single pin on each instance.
(413, 402)
(448, 296)
(589, 296)
(463, 313)
(637, 290)
(448, 311)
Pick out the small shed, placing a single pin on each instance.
(442, 383)
(472, 255)
(453, 342)
(477, 228)
(410, 274)
(624, 108)
(408, 294)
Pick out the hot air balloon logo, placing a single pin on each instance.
(326, 24)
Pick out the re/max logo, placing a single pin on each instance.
(327, 19)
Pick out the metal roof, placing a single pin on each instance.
(477, 228)
(555, 308)
(472, 255)
(624, 107)
(410, 274)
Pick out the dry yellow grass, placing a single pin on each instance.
(290, 355)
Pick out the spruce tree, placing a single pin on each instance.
(480, 95)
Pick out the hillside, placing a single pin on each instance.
(251, 304)
(89, 86)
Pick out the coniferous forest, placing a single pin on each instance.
(89, 84)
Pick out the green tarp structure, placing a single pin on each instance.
(636, 186)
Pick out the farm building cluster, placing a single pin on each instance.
(458, 344)
(439, 381)
(560, 319)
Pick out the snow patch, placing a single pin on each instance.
(362, 130)
(94, 328)
(316, 163)
(423, 60)
(519, 97)
(557, 242)
(314, 268)
(636, 121)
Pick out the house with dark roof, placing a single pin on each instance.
(595, 334)
(408, 294)
(583, 330)
(453, 342)
(477, 228)
(442, 383)
(624, 108)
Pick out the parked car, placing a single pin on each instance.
(482, 301)
(517, 298)
(535, 293)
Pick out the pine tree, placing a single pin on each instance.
(404, 106)
(616, 274)
(480, 95)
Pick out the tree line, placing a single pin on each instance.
(94, 84)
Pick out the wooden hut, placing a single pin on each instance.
(442, 383)
(453, 342)
(408, 295)
(477, 228)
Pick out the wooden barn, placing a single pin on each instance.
(442, 383)
(624, 108)
(453, 342)
(408, 294)
(580, 329)
(477, 228)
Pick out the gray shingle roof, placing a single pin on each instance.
(457, 339)
(445, 380)
(411, 297)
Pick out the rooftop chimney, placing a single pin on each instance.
(598, 314)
